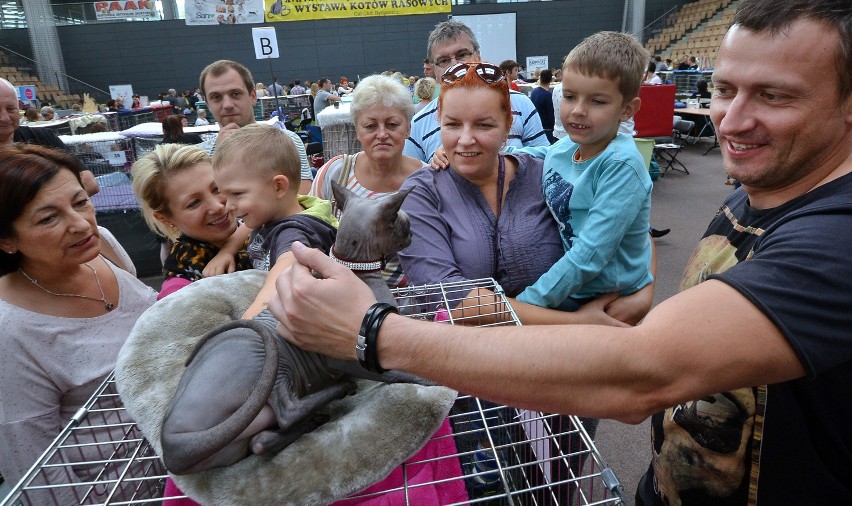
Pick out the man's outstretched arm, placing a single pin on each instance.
(707, 339)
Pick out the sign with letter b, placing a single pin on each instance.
(265, 42)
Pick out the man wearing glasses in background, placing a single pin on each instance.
(453, 42)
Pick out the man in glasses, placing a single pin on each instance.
(452, 42)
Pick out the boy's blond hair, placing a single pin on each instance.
(611, 55)
(263, 150)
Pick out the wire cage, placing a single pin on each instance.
(291, 106)
(144, 145)
(102, 153)
(110, 156)
(339, 139)
(128, 119)
(493, 455)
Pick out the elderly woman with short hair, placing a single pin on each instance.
(381, 110)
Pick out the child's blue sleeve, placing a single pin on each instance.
(619, 199)
(534, 151)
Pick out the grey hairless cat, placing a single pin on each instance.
(246, 390)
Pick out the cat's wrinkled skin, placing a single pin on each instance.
(246, 390)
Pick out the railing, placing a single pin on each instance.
(657, 24)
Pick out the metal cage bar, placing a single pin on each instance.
(505, 455)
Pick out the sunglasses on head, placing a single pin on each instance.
(488, 72)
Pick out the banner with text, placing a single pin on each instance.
(223, 12)
(302, 10)
(126, 10)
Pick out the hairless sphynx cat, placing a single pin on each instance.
(245, 390)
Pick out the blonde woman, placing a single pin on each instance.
(181, 202)
(424, 90)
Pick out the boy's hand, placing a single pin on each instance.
(593, 311)
(223, 263)
(439, 159)
(631, 308)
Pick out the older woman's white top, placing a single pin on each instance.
(52, 365)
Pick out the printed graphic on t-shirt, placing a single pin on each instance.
(557, 193)
(705, 448)
(259, 256)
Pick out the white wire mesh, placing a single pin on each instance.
(498, 455)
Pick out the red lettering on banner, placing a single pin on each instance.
(129, 5)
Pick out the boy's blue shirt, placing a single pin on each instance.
(603, 209)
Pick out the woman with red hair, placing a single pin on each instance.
(486, 216)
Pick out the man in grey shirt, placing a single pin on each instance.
(324, 96)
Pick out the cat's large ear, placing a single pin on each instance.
(341, 194)
(391, 205)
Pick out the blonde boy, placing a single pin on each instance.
(595, 181)
(257, 168)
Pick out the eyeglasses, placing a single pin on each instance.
(460, 56)
(486, 71)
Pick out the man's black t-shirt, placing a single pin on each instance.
(41, 136)
(791, 442)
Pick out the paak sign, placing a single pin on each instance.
(126, 9)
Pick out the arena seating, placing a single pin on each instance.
(694, 30)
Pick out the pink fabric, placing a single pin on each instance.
(172, 285)
(447, 468)
(172, 490)
(442, 447)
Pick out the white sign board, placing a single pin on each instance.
(122, 91)
(495, 34)
(535, 64)
(265, 42)
(221, 12)
(117, 158)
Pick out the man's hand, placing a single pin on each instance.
(227, 130)
(321, 315)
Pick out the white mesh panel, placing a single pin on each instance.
(45, 42)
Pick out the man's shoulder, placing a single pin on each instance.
(426, 114)
(41, 136)
(833, 198)
(520, 100)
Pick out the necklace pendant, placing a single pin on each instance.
(109, 306)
